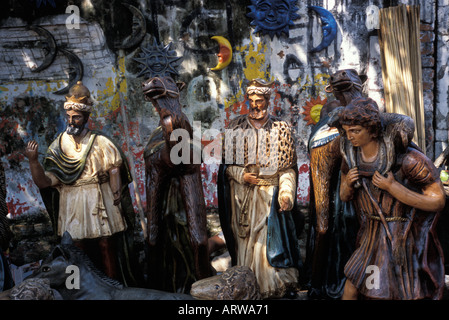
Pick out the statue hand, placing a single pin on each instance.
(31, 150)
(383, 182)
(285, 204)
(250, 178)
(117, 195)
(352, 177)
(115, 182)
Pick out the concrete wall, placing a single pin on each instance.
(31, 110)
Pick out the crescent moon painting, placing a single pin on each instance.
(273, 17)
(225, 53)
(75, 70)
(328, 25)
(139, 29)
(48, 45)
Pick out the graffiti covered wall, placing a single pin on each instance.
(297, 44)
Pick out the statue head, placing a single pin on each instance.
(346, 84)
(258, 93)
(78, 108)
(364, 112)
(79, 98)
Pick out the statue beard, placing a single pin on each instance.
(257, 114)
(75, 130)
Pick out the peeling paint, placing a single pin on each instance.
(255, 60)
(303, 192)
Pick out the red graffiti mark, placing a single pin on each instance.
(20, 187)
(203, 169)
(244, 108)
(277, 102)
(114, 114)
(96, 125)
(18, 208)
(304, 168)
(214, 177)
(303, 196)
(238, 108)
(16, 156)
(139, 154)
(134, 128)
(205, 142)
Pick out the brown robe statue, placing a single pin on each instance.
(176, 211)
(397, 195)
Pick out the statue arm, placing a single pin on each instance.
(37, 171)
(287, 189)
(421, 173)
(432, 197)
(111, 163)
(236, 173)
(115, 183)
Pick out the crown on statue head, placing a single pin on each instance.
(259, 86)
(78, 98)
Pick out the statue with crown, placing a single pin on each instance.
(83, 181)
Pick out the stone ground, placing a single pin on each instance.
(33, 241)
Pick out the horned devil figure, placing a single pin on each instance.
(173, 187)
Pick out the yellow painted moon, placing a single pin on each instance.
(224, 54)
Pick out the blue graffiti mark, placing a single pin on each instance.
(272, 17)
(328, 25)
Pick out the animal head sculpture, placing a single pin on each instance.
(163, 92)
(161, 87)
(236, 283)
(54, 267)
(345, 84)
(344, 80)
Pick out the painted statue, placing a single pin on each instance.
(176, 211)
(257, 186)
(333, 223)
(84, 185)
(397, 195)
